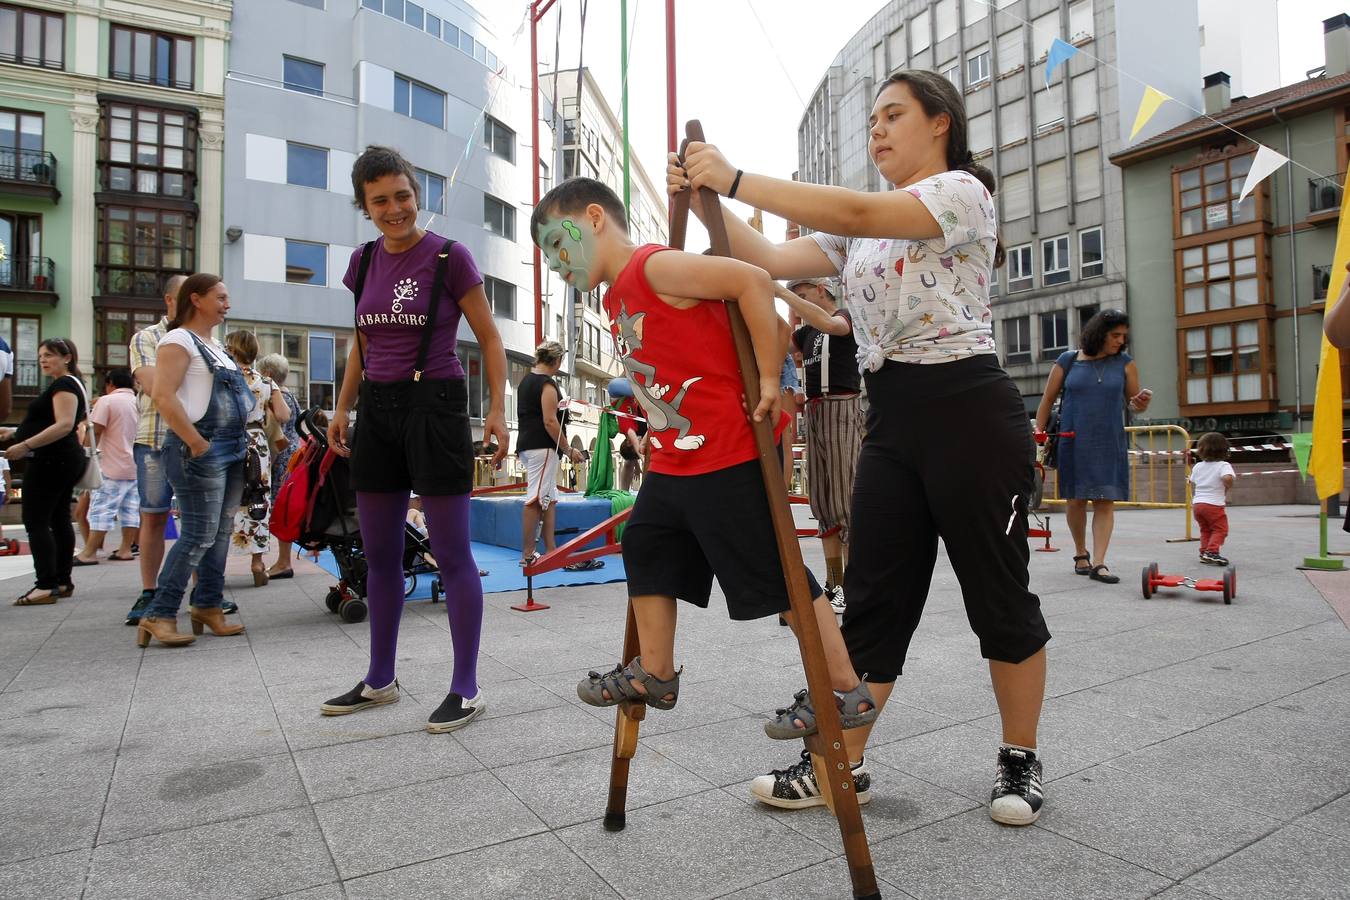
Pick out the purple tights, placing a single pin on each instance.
(382, 516)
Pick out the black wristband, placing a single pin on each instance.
(731, 194)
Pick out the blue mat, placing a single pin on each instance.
(504, 572)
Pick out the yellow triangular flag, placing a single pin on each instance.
(1325, 463)
(1153, 98)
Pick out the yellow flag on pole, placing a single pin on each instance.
(1325, 464)
(1153, 98)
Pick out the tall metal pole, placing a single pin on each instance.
(534, 168)
(672, 135)
(623, 68)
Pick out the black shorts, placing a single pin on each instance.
(956, 466)
(413, 436)
(687, 528)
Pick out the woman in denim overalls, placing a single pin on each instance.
(203, 458)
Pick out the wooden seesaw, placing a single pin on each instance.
(829, 757)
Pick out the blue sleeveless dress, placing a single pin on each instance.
(1093, 464)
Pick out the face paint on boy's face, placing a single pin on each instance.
(569, 251)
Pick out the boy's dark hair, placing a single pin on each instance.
(378, 162)
(573, 196)
(1212, 447)
(119, 378)
(1098, 327)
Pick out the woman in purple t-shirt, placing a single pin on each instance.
(412, 433)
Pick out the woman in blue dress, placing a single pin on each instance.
(1096, 381)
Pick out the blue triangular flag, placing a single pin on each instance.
(1060, 51)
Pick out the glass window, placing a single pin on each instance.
(1016, 194)
(1011, 54)
(1087, 174)
(306, 166)
(413, 14)
(1207, 196)
(944, 18)
(981, 133)
(1052, 185)
(31, 37)
(1054, 333)
(306, 263)
(1012, 122)
(952, 72)
(393, 8)
(432, 188)
(501, 297)
(418, 101)
(321, 361)
(140, 247)
(1049, 105)
(1084, 95)
(151, 57)
(977, 68)
(895, 48)
(377, 5)
(302, 75)
(1080, 21)
(1055, 267)
(317, 4)
(1090, 258)
(879, 71)
(1020, 277)
(1044, 30)
(433, 25)
(920, 33)
(1223, 363)
(499, 139)
(1017, 339)
(1219, 275)
(21, 148)
(450, 34)
(499, 217)
(148, 150)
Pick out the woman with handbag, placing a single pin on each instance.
(205, 402)
(250, 520)
(49, 438)
(285, 439)
(1095, 381)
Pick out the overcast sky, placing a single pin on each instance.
(747, 67)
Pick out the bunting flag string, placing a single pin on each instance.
(1060, 52)
(1265, 164)
(1148, 107)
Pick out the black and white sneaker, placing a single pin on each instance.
(836, 595)
(1017, 795)
(1214, 559)
(359, 698)
(795, 787)
(456, 712)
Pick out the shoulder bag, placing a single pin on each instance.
(1052, 428)
(92, 478)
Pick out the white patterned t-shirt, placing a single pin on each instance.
(923, 301)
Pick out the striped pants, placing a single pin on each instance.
(834, 428)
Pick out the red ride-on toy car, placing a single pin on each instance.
(1227, 585)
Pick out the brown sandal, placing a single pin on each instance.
(27, 598)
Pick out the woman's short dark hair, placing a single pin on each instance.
(119, 378)
(1098, 327)
(937, 96)
(572, 197)
(200, 283)
(65, 347)
(376, 163)
(1212, 447)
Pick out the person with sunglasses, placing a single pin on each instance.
(49, 439)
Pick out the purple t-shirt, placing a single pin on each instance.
(392, 310)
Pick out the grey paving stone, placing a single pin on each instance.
(1167, 827)
(710, 845)
(258, 856)
(970, 856)
(1181, 892)
(323, 892)
(1293, 864)
(727, 752)
(199, 744)
(534, 735)
(536, 866)
(1332, 819)
(297, 708)
(304, 660)
(1095, 734)
(700, 703)
(179, 795)
(822, 881)
(49, 877)
(51, 803)
(565, 790)
(360, 767)
(899, 803)
(1182, 706)
(373, 832)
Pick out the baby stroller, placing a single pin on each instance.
(316, 509)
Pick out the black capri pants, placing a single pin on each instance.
(946, 454)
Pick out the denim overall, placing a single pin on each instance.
(208, 488)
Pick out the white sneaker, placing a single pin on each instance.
(836, 595)
(795, 787)
(359, 698)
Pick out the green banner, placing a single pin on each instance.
(1302, 450)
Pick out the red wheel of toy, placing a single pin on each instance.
(1229, 585)
(1146, 582)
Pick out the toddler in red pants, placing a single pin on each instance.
(1212, 477)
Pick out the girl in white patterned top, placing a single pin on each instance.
(948, 448)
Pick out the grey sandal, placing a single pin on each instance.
(619, 683)
(783, 726)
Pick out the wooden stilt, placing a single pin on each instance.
(627, 718)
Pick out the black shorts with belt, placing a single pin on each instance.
(947, 453)
(413, 436)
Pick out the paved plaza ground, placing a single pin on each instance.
(1192, 750)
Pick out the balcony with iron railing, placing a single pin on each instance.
(28, 172)
(28, 278)
(1324, 198)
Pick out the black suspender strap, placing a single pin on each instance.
(442, 273)
(361, 268)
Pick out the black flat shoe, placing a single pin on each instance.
(284, 573)
(76, 561)
(1100, 573)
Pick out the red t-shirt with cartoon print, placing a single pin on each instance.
(682, 366)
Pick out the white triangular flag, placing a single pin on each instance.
(1266, 162)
